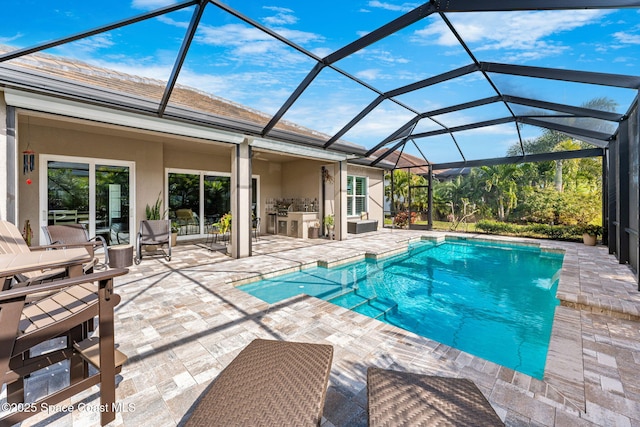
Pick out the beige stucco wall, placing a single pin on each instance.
(152, 154)
(278, 176)
(301, 179)
(376, 190)
(269, 179)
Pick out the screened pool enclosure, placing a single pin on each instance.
(462, 84)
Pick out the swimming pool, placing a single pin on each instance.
(492, 300)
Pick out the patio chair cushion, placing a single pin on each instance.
(269, 383)
(404, 398)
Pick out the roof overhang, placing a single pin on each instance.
(96, 113)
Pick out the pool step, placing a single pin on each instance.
(373, 307)
(349, 300)
(377, 308)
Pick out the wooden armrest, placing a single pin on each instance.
(61, 246)
(12, 264)
(22, 292)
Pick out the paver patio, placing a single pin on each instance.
(182, 322)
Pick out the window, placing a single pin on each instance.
(198, 198)
(356, 195)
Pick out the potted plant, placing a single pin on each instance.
(314, 229)
(590, 233)
(153, 212)
(175, 228)
(225, 223)
(329, 223)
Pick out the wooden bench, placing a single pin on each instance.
(270, 383)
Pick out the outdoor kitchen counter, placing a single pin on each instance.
(296, 224)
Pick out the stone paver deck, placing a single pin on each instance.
(182, 322)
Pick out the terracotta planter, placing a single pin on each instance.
(174, 239)
(589, 239)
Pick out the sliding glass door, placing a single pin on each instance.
(92, 192)
(198, 198)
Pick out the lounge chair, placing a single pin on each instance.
(73, 305)
(269, 383)
(77, 235)
(403, 398)
(12, 243)
(153, 233)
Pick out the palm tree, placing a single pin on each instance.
(501, 182)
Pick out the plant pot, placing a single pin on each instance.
(330, 232)
(150, 248)
(174, 239)
(314, 232)
(589, 239)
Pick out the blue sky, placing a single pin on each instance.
(234, 61)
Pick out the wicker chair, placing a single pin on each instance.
(69, 313)
(77, 234)
(397, 398)
(154, 233)
(269, 383)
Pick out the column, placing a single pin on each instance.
(8, 158)
(241, 200)
(341, 201)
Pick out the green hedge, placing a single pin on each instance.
(558, 232)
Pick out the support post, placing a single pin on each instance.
(241, 200)
(9, 158)
(623, 193)
(430, 199)
(341, 202)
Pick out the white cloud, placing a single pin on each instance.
(627, 38)
(404, 7)
(283, 16)
(89, 45)
(509, 31)
(251, 46)
(10, 39)
(370, 74)
(166, 20)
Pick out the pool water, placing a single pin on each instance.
(495, 301)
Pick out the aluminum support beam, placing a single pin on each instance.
(405, 20)
(544, 157)
(576, 111)
(622, 198)
(515, 5)
(182, 54)
(48, 45)
(603, 79)
(612, 198)
(465, 127)
(566, 129)
(293, 97)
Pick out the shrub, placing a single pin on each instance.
(558, 232)
(402, 219)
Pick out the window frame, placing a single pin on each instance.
(353, 197)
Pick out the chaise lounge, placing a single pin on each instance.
(406, 399)
(269, 383)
